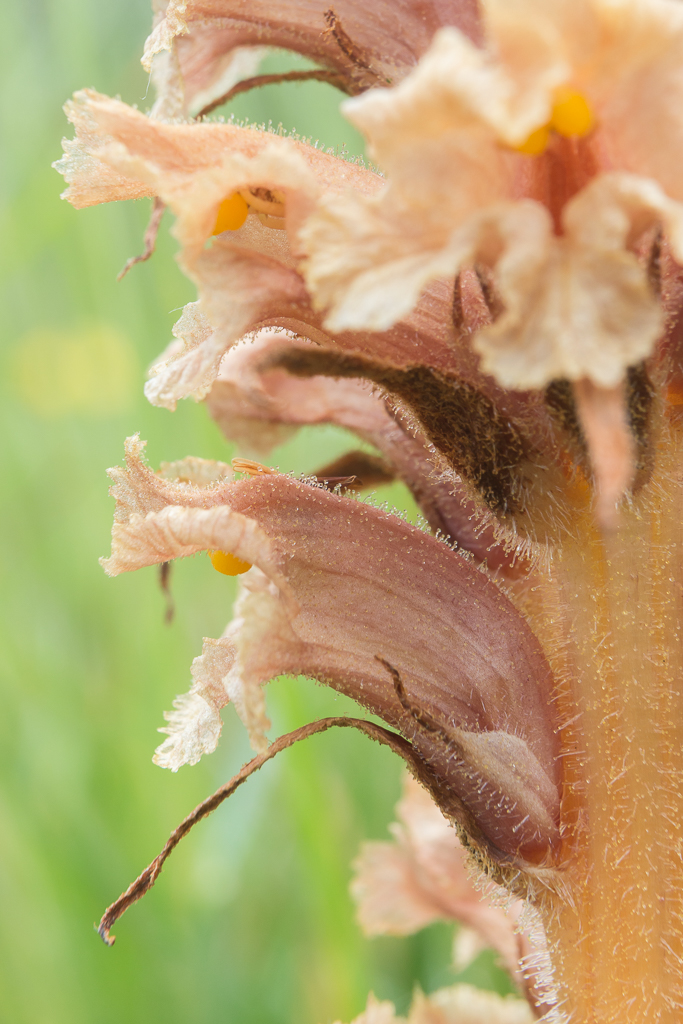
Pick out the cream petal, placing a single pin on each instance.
(586, 314)
(353, 583)
(194, 727)
(464, 1004)
(252, 288)
(461, 1004)
(437, 135)
(460, 88)
(583, 308)
(612, 212)
(371, 271)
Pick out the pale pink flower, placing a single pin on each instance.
(423, 876)
(301, 612)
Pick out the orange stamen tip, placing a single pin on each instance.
(250, 467)
(571, 115)
(536, 143)
(231, 215)
(229, 565)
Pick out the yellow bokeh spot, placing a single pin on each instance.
(229, 565)
(231, 215)
(571, 113)
(536, 143)
(88, 371)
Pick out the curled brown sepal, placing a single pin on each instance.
(149, 238)
(164, 583)
(257, 81)
(146, 880)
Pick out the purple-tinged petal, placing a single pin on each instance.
(365, 45)
(350, 583)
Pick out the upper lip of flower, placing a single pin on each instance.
(362, 45)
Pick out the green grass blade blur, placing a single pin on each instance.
(251, 920)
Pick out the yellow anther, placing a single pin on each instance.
(536, 143)
(571, 114)
(229, 565)
(232, 214)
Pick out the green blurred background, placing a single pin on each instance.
(251, 920)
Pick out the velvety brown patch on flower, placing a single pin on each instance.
(256, 403)
(640, 398)
(461, 422)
